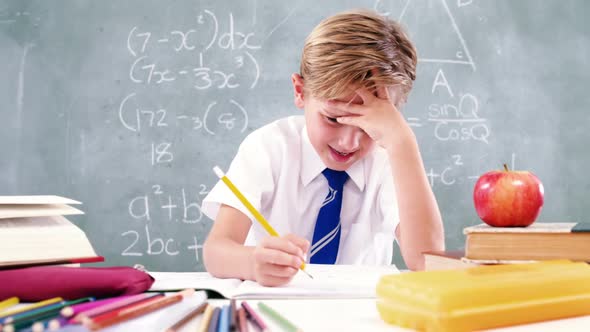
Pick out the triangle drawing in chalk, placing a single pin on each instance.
(432, 28)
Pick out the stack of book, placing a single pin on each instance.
(507, 245)
(34, 231)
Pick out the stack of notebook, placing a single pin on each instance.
(35, 231)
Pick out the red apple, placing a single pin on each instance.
(508, 198)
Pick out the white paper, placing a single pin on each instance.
(329, 281)
(36, 210)
(36, 199)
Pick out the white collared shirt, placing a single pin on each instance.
(279, 171)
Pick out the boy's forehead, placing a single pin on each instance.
(351, 97)
(395, 94)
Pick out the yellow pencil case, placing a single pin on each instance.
(485, 296)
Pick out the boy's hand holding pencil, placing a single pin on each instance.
(276, 258)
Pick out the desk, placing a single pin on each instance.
(323, 315)
(349, 314)
(361, 315)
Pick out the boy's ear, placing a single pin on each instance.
(297, 81)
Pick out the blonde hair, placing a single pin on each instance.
(343, 49)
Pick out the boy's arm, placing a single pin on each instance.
(224, 254)
(273, 262)
(420, 228)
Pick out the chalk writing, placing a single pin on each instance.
(145, 243)
(239, 46)
(154, 245)
(162, 206)
(216, 117)
(459, 122)
(456, 171)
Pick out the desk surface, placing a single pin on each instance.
(362, 315)
(320, 315)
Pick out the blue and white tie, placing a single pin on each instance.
(326, 235)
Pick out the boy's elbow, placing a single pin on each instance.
(415, 262)
(414, 257)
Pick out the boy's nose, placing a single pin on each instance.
(350, 138)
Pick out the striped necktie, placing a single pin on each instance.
(326, 235)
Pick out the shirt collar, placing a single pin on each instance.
(312, 165)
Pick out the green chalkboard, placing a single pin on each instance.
(127, 105)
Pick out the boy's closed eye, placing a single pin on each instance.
(332, 119)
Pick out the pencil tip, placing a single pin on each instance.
(187, 292)
(309, 275)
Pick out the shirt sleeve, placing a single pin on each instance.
(250, 171)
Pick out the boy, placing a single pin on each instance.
(357, 69)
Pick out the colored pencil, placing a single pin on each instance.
(28, 318)
(224, 319)
(115, 312)
(41, 321)
(214, 320)
(126, 313)
(29, 307)
(9, 302)
(257, 215)
(187, 318)
(254, 317)
(206, 319)
(233, 317)
(278, 318)
(51, 324)
(85, 315)
(71, 311)
(77, 260)
(242, 320)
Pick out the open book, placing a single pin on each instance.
(329, 281)
(33, 231)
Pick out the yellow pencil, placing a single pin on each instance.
(9, 302)
(257, 215)
(30, 307)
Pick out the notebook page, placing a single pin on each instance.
(329, 281)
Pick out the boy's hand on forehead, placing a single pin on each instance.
(377, 116)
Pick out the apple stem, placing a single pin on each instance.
(505, 167)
